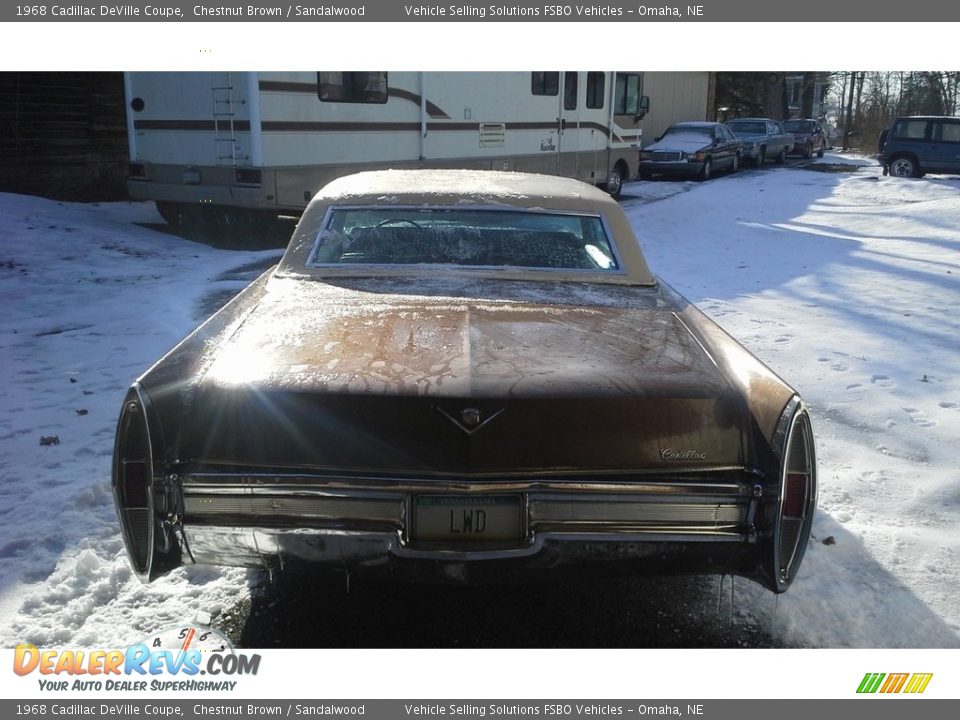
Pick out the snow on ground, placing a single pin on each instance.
(845, 158)
(844, 283)
(89, 300)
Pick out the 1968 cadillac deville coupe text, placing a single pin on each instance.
(468, 376)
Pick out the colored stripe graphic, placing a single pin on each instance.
(894, 683)
(870, 682)
(918, 683)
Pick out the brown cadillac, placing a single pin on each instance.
(466, 376)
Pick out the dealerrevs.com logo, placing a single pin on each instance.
(181, 652)
(888, 683)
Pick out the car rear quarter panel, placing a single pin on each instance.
(171, 383)
(764, 392)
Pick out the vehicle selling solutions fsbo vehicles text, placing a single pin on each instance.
(546, 11)
(511, 10)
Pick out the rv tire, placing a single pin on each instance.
(171, 212)
(614, 185)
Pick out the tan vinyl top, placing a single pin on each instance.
(478, 188)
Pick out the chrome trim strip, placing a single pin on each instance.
(540, 513)
(367, 474)
(219, 541)
(194, 484)
(784, 424)
(390, 510)
(549, 511)
(601, 531)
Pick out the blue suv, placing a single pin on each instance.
(914, 146)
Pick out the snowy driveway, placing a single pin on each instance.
(846, 284)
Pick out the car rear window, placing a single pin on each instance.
(688, 130)
(748, 128)
(798, 126)
(463, 237)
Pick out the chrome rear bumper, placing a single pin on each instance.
(271, 519)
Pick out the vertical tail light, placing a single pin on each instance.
(151, 547)
(797, 497)
(132, 483)
(795, 494)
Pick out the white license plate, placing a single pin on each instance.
(463, 519)
(191, 177)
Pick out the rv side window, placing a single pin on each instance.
(626, 99)
(352, 87)
(595, 87)
(545, 83)
(570, 90)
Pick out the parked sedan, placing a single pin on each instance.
(691, 148)
(808, 137)
(464, 376)
(762, 139)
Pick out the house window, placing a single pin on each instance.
(626, 99)
(545, 83)
(352, 87)
(570, 90)
(595, 87)
(794, 91)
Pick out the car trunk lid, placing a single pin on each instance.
(466, 385)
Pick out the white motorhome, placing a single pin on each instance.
(223, 146)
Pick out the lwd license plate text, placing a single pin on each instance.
(467, 519)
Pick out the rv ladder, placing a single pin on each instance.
(224, 131)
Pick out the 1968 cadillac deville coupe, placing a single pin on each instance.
(466, 376)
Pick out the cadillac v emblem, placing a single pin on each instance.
(470, 419)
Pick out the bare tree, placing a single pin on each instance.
(848, 125)
(869, 101)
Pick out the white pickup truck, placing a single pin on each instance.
(762, 139)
